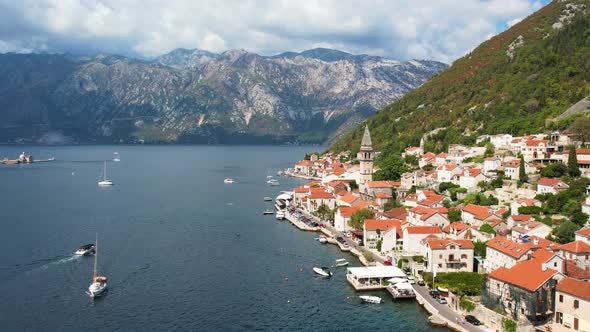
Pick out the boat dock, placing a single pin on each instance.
(401, 291)
(372, 277)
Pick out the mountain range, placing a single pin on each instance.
(517, 82)
(195, 96)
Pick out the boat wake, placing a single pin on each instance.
(52, 262)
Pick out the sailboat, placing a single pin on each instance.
(104, 181)
(99, 283)
(116, 156)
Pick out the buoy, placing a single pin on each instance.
(288, 301)
(286, 279)
(300, 269)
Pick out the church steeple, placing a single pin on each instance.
(365, 157)
(366, 142)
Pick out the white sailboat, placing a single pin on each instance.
(116, 156)
(104, 181)
(99, 283)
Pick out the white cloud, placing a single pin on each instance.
(441, 30)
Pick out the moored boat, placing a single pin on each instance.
(323, 271)
(87, 249)
(268, 199)
(370, 299)
(273, 182)
(280, 215)
(267, 212)
(105, 182)
(341, 262)
(322, 239)
(228, 180)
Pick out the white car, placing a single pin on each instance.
(411, 280)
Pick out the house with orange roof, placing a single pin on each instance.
(343, 214)
(427, 159)
(441, 159)
(578, 251)
(550, 186)
(381, 191)
(470, 177)
(412, 151)
(521, 202)
(478, 215)
(383, 235)
(413, 235)
(447, 255)
(511, 169)
(399, 213)
(536, 149)
(418, 178)
(572, 306)
(318, 197)
(524, 291)
(426, 216)
(508, 251)
(347, 199)
(520, 218)
(305, 167)
(448, 173)
(583, 235)
(426, 198)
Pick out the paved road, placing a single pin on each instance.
(337, 233)
(445, 311)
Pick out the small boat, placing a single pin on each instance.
(370, 299)
(104, 181)
(280, 215)
(267, 212)
(322, 239)
(323, 271)
(268, 199)
(99, 283)
(341, 262)
(228, 180)
(85, 250)
(269, 176)
(273, 182)
(116, 157)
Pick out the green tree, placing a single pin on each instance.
(357, 219)
(580, 129)
(411, 160)
(486, 228)
(480, 249)
(572, 163)
(509, 325)
(394, 203)
(490, 150)
(522, 176)
(579, 218)
(454, 215)
(392, 167)
(323, 211)
(533, 209)
(565, 232)
(555, 170)
(379, 245)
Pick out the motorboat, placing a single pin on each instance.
(268, 199)
(267, 212)
(273, 182)
(99, 283)
(228, 180)
(370, 299)
(322, 239)
(341, 262)
(105, 182)
(85, 250)
(323, 271)
(116, 157)
(280, 215)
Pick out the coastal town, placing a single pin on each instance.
(496, 233)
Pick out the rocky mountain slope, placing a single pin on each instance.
(198, 96)
(511, 83)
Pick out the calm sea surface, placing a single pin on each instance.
(168, 243)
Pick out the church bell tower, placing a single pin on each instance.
(366, 155)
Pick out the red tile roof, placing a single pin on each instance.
(382, 224)
(346, 211)
(538, 142)
(549, 182)
(431, 200)
(423, 230)
(576, 247)
(522, 217)
(304, 162)
(426, 212)
(457, 225)
(396, 213)
(472, 172)
(517, 250)
(527, 274)
(448, 167)
(383, 184)
(584, 232)
(572, 270)
(320, 195)
(575, 287)
(478, 211)
(383, 195)
(443, 243)
(349, 198)
(301, 190)
(582, 151)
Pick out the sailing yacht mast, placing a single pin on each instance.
(95, 259)
(105, 171)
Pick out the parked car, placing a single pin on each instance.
(441, 300)
(421, 282)
(471, 319)
(433, 293)
(340, 239)
(411, 280)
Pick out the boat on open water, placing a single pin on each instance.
(323, 271)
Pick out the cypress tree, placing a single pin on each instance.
(522, 177)
(572, 163)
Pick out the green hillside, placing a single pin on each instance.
(489, 91)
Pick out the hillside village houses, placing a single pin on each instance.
(529, 277)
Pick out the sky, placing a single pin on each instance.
(442, 30)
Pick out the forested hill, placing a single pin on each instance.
(511, 83)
